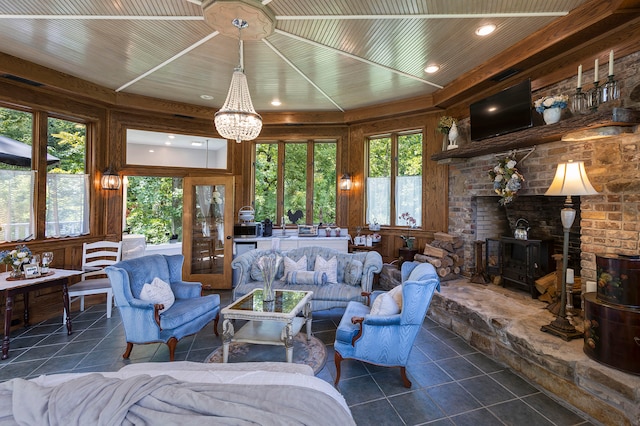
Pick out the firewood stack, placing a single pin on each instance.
(445, 253)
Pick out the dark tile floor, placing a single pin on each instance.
(453, 384)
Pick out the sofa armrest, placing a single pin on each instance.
(186, 289)
(372, 265)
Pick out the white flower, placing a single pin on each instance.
(498, 178)
(22, 255)
(511, 164)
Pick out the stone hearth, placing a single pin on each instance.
(505, 325)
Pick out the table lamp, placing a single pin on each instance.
(570, 179)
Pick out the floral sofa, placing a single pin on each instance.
(355, 272)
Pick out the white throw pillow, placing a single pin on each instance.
(384, 305)
(329, 267)
(396, 294)
(158, 292)
(291, 265)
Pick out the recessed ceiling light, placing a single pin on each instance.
(485, 30)
(276, 102)
(430, 69)
(172, 136)
(196, 143)
(151, 150)
(167, 143)
(206, 97)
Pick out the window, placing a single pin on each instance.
(67, 211)
(16, 177)
(66, 199)
(404, 175)
(154, 208)
(306, 180)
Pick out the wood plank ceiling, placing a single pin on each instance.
(324, 55)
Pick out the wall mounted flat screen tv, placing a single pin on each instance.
(504, 112)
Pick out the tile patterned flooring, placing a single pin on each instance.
(453, 384)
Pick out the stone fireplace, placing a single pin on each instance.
(506, 324)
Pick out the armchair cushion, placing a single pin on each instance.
(158, 292)
(384, 305)
(396, 294)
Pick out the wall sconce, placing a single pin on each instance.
(345, 182)
(110, 180)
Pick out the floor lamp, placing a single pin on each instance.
(570, 179)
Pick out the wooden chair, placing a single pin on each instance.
(95, 257)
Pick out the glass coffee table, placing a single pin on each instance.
(269, 323)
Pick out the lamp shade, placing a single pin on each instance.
(345, 182)
(110, 180)
(571, 179)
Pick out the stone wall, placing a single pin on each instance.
(610, 221)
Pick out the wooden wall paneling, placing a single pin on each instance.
(435, 180)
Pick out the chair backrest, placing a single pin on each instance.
(96, 256)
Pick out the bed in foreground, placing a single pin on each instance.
(177, 393)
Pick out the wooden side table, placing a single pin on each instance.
(406, 254)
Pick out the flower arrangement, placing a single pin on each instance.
(507, 180)
(445, 123)
(411, 223)
(268, 265)
(16, 257)
(546, 102)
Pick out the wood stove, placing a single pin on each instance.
(519, 262)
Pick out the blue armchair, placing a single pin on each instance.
(143, 320)
(387, 340)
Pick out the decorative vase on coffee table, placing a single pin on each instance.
(551, 115)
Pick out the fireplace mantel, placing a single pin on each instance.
(620, 117)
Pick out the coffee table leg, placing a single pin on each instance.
(307, 315)
(7, 325)
(227, 335)
(288, 341)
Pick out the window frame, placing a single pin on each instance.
(39, 140)
(310, 173)
(394, 137)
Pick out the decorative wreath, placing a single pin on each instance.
(507, 180)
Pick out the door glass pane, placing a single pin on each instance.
(266, 181)
(207, 250)
(295, 181)
(324, 183)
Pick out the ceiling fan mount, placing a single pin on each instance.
(219, 14)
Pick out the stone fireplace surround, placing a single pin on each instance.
(504, 323)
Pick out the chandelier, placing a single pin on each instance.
(237, 119)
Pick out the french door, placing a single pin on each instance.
(207, 229)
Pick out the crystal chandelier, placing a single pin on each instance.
(237, 119)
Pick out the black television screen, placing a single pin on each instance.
(504, 112)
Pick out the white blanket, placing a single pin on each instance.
(142, 399)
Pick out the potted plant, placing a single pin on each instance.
(411, 223)
(551, 107)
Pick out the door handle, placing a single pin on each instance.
(228, 237)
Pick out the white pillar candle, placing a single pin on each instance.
(579, 76)
(591, 287)
(611, 63)
(595, 71)
(570, 278)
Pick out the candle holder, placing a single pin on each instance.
(594, 96)
(579, 103)
(610, 90)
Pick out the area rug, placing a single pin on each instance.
(312, 352)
